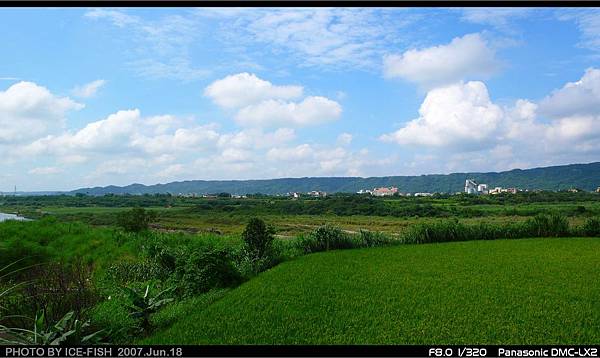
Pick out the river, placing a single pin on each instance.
(4, 217)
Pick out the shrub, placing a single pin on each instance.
(554, 225)
(373, 239)
(137, 271)
(54, 289)
(113, 316)
(204, 269)
(136, 220)
(591, 227)
(258, 238)
(326, 238)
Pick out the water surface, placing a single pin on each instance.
(4, 217)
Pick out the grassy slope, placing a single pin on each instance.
(533, 291)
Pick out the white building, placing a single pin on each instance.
(470, 186)
(384, 191)
(317, 193)
(482, 188)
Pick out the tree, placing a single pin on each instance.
(258, 238)
(136, 220)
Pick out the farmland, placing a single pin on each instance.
(345, 269)
(531, 291)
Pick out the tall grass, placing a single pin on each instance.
(553, 225)
(329, 237)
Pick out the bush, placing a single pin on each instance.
(136, 220)
(554, 225)
(204, 269)
(591, 227)
(326, 238)
(374, 239)
(258, 238)
(112, 316)
(55, 289)
(258, 253)
(137, 271)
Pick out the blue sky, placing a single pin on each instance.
(99, 96)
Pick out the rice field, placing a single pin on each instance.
(529, 291)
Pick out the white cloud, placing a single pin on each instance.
(161, 47)
(332, 37)
(243, 89)
(45, 171)
(460, 115)
(118, 18)
(472, 133)
(249, 138)
(178, 68)
(588, 23)
(127, 131)
(499, 18)
(259, 103)
(311, 111)
(575, 98)
(344, 139)
(28, 111)
(300, 152)
(466, 57)
(89, 89)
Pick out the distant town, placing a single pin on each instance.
(471, 188)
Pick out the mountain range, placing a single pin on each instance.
(582, 176)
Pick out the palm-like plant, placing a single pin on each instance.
(142, 306)
(68, 330)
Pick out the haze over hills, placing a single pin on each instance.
(582, 176)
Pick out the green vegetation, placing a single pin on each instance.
(142, 306)
(131, 272)
(136, 220)
(531, 291)
(67, 331)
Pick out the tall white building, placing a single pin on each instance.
(470, 186)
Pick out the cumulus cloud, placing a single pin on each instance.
(459, 115)
(127, 131)
(89, 89)
(243, 89)
(259, 103)
(249, 138)
(463, 58)
(312, 110)
(474, 133)
(28, 111)
(575, 98)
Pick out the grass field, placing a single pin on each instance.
(530, 291)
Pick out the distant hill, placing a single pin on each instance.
(583, 176)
